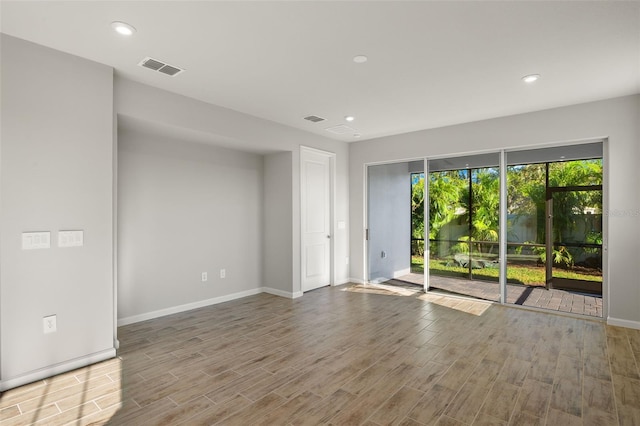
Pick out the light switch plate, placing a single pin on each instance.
(71, 238)
(36, 240)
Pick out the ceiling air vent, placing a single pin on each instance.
(314, 118)
(156, 65)
(340, 129)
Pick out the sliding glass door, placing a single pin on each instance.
(464, 201)
(522, 227)
(555, 229)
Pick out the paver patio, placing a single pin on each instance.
(539, 297)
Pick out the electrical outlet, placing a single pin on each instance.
(347, 260)
(204, 277)
(49, 324)
(223, 273)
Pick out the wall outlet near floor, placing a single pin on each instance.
(204, 277)
(223, 273)
(49, 324)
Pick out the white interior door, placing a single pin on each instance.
(315, 184)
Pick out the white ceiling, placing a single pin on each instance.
(431, 64)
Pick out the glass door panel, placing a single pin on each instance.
(576, 248)
(554, 236)
(463, 225)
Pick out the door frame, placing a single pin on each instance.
(365, 215)
(332, 207)
(549, 243)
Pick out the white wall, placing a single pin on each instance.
(278, 212)
(616, 119)
(184, 209)
(56, 174)
(389, 199)
(239, 131)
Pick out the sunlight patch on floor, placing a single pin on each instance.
(389, 290)
(473, 307)
(88, 395)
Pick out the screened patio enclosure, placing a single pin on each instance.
(553, 236)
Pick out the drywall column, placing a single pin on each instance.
(56, 174)
(278, 246)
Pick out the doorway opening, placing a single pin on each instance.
(391, 222)
(555, 235)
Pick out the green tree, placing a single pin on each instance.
(485, 212)
(527, 202)
(417, 213)
(445, 192)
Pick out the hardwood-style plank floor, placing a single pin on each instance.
(350, 355)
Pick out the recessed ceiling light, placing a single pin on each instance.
(123, 28)
(530, 78)
(360, 59)
(356, 135)
(349, 118)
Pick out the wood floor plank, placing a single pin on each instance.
(448, 421)
(325, 410)
(501, 400)
(514, 371)
(255, 411)
(396, 408)
(486, 420)
(366, 356)
(217, 412)
(183, 412)
(597, 367)
(425, 377)
(525, 419)
(567, 397)
(432, 405)
(598, 394)
(9, 412)
(360, 408)
(290, 409)
(558, 417)
(71, 415)
(533, 399)
(42, 413)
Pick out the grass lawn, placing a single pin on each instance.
(521, 274)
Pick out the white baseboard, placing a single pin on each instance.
(402, 273)
(187, 307)
(356, 280)
(342, 281)
(53, 370)
(623, 323)
(282, 293)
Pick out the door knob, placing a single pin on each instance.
(328, 236)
